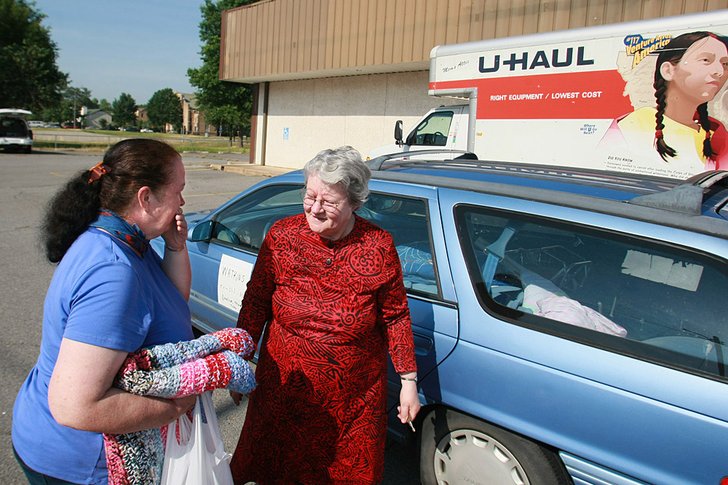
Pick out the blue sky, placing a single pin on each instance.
(131, 46)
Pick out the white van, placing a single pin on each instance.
(15, 134)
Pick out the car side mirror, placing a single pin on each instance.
(398, 132)
(202, 232)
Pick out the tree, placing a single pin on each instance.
(29, 76)
(228, 119)
(165, 107)
(105, 105)
(124, 110)
(69, 106)
(223, 103)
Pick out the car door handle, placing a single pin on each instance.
(423, 344)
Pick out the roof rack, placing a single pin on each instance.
(689, 196)
(404, 157)
(708, 179)
(469, 161)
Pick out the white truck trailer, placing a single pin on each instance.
(586, 97)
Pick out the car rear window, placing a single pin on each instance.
(654, 301)
(13, 127)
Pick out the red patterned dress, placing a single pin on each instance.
(318, 414)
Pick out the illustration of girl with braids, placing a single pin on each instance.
(677, 138)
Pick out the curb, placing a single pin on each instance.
(251, 169)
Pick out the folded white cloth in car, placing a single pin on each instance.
(563, 309)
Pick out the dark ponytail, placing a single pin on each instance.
(69, 213)
(128, 166)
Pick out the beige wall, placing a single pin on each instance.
(275, 40)
(330, 112)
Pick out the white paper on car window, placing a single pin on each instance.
(232, 280)
(662, 270)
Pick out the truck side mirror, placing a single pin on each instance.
(398, 132)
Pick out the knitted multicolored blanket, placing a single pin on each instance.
(213, 361)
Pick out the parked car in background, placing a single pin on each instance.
(569, 323)
(15, 134)
(146, 130)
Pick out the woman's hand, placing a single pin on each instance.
(176, 261)
(184, 404)
(409, 402)
(175, 237)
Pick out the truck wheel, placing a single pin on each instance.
(459, 449)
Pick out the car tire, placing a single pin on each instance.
(28, 149)
(455, 448)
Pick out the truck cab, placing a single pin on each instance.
(444, 127)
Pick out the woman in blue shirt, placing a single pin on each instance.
(110, 295)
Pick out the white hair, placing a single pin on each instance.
(342, 166)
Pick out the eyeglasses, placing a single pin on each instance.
(327, 205)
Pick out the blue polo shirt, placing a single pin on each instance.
(102, 293)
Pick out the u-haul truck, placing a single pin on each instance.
(586, 97)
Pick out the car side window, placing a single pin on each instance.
(246, 222)
(655, 301)
(406, 219)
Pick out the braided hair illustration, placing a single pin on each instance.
(673, 53)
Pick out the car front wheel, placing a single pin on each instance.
(459, 449)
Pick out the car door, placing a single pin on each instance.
(411, 215)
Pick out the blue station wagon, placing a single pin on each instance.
(569, 324)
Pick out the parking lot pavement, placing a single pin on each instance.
(233, 163)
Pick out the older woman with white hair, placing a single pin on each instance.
(329, 285)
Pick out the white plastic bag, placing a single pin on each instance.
(199, 458)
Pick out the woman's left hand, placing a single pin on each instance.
(175, 237)
(409, 402)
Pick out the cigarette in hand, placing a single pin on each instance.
(412, 426)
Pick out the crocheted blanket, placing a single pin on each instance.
(213, 361)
